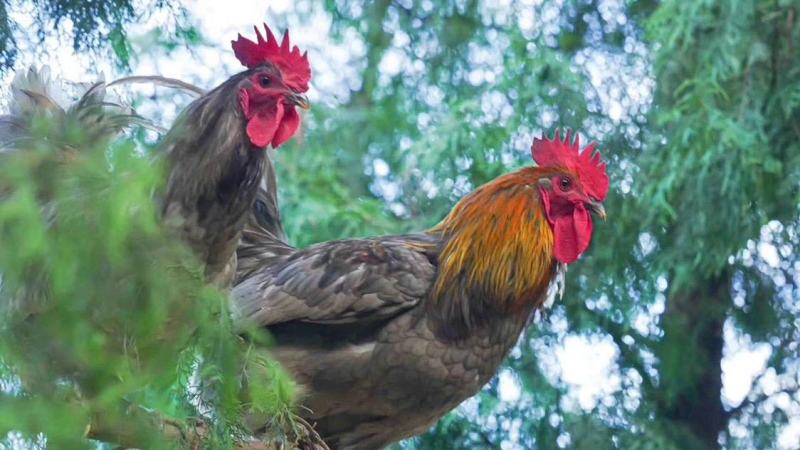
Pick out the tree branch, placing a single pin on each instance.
(134, 430)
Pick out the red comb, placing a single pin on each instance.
(294, 67)
(587, 164)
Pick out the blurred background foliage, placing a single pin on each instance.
(696, 105)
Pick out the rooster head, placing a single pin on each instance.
(576, 186)
(273, 87)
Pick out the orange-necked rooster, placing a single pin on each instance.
(216, 148)
(385, 335)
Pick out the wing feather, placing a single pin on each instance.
(339, 282)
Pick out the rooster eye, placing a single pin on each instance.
(565, 184)
(264, 81)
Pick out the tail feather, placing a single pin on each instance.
(32, 93)
(35, 94)
(101, 117)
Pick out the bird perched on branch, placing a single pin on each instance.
(214, 161)
(216, 148)
(385, 335)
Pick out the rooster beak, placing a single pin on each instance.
(298, 100)
(597, 208)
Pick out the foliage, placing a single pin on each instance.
(696, 105)
(107, 324)
(96, 26)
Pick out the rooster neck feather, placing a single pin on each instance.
(497, 251)
(214, 174)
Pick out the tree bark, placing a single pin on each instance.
(690, 358)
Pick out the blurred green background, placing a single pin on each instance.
(679, 328)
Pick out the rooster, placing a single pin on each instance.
(385, 335)
(214, 152)
(216, 148)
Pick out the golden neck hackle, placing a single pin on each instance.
(499, 238)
